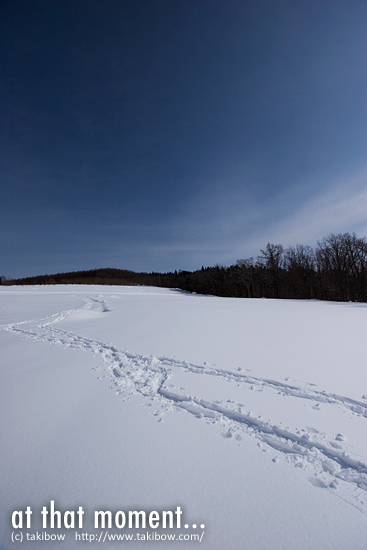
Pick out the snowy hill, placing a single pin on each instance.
(248, 416)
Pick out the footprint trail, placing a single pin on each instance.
(333, 464)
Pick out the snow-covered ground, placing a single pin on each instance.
(249, 415)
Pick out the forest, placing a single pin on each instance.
(336, 269)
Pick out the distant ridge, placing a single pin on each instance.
(104, 276)
(336, 270)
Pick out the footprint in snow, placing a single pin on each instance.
(317, 482)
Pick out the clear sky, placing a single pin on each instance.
(156, 135)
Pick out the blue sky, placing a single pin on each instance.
(155, 135)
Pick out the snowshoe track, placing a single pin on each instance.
(147, 376)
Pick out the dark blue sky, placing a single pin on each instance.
(156, 135)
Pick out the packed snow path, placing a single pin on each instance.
(168, 383)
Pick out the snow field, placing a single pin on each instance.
(257, 410)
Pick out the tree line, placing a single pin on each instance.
(336, 269)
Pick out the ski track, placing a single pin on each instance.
(147, 375)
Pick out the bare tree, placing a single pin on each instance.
(300, 262)
(272, 259)
(342, 264)
(247, 268)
